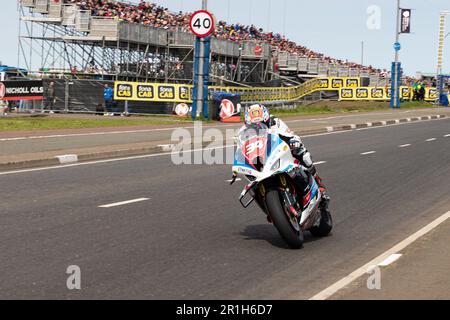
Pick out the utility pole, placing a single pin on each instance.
(201, 67)
(395, 79)
(442, 37)
(362, 53)
(202, 25)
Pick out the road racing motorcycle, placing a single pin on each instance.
(265, 161)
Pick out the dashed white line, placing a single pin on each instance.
(405, 145)
(319, 163)
(367, 153)
(431, 140)
(447, 136)
(117, 204)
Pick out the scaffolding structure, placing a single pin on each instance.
(60, 40)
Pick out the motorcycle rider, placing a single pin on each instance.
(257, 113)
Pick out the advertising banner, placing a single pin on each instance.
(21, 90)
(405, 21)
(135, 91)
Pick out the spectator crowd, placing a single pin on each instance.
(154, 15)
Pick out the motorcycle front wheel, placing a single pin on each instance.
(287, 227)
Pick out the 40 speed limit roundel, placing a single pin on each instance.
(202, 23)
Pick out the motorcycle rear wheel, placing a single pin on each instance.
(292, 236)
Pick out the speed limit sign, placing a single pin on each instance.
(202, 23)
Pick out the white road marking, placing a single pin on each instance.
(169, 153)
(117, 204)
(68, 158)
(319, 163)
(404, 146)
(447, 136)
(430, 140)
(390, 260)
(166, 147)
(159, 129)
(367, 153)
(331, 290)
(237, 179)
(399, 124)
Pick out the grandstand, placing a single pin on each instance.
(118, 41)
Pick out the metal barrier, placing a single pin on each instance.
(249, 50)
(41, 6)
(293, 61)
(343, 71)
(333, 70)
(55, 9)
(374, 80)
(364, 74)
(353, 72)
(283, 59)
(224, 47)
(104, 27)
(82, 20)
(302, 64)
(69, 13)
(27, 3)
(313, 66)
(323, 68)
(178, 38)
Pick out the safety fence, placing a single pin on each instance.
(349, 88)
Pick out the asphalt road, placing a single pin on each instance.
(192, 239)
(20, 143)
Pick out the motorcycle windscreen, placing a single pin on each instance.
(255, 146)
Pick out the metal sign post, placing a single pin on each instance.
(395, 74)
(403, 25)
(202, 25)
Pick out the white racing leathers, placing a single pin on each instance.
(299, 150)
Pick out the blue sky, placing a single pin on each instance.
(334, 27)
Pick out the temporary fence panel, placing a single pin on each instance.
(41, 6)
(104, 27)
(353, 72)
(179, 38)
(28, 3)
(292, 61)
(82, 20)
(343, 72)
(323, 69)
(374, 80)
(69, 14)
(333, 70)
(55, 9)
(302, 64)
(283, 59)
(313, 66)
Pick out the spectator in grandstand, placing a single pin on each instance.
(108, 98)
(157, 16)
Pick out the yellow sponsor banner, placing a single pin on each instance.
(156, 92)
(382, 93)
(348, 87)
